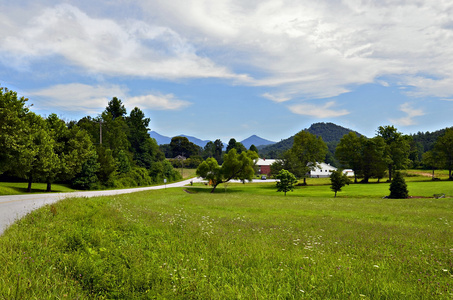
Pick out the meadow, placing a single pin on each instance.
(246, 241)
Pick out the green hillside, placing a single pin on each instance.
(330, 133)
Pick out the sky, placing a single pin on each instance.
(233, 68)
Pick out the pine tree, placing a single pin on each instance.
(398, 187)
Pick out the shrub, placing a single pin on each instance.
(398, 187)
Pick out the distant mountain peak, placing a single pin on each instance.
(256, 140)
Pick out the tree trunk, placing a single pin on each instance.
(49, 186)
(213, 188)
(30, 180)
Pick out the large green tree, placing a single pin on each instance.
(233, 144)
(235, 166)
(116, 108)
(37, 159)
(373, 162)
(397, 149)
(144, 149)
(13, 128)
(73, 148)
(306, 152)
(349, 152)
(444, 145)
(433, 159)
(181, 146)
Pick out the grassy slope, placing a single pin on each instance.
(250, 242)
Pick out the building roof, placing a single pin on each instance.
(265, 162)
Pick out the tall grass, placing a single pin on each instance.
(250, 243)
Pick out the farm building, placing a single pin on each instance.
(264, 165)
(323, 170)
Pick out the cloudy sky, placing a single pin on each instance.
(233, 68)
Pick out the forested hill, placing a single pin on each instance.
(330, 133)
(427, 139)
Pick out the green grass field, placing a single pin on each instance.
(16, 188)
(243, 242)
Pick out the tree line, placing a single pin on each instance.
(182, 151)
(377, 157)
(112, 150)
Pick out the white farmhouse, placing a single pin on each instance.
(322, 170)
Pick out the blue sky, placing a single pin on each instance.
(233, 68)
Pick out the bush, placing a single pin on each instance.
(398, 187)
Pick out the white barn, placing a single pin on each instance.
(322, 170)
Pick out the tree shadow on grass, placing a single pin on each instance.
(207, 190)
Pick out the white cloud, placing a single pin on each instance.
(308, 49)
(276, 98)
(76, 97)
(107, 46)
(157, 102)
(320, 48)
(411, 113)
(319, 111)
(90, 100)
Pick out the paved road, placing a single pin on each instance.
(16, 206)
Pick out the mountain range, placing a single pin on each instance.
(329, 132)
(252, 140)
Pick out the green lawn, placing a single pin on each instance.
(249, 242)
(16, 188)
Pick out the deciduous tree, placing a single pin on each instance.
(235, 166)
(349, 152)
(286, 181)
(397, 148)
(306, 152)
(338, 180)
(13, 129)
(444, 145)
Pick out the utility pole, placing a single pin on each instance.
(100, 132)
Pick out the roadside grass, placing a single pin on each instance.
(187, 173)
(248, 243)
(16, 188)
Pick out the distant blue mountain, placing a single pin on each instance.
(253, 140)
(161, 139)
(195, 140)
(257, 141)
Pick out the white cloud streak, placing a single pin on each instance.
(93, 99)
(321, 112)
(410, 112)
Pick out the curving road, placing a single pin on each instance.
(15, 207)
